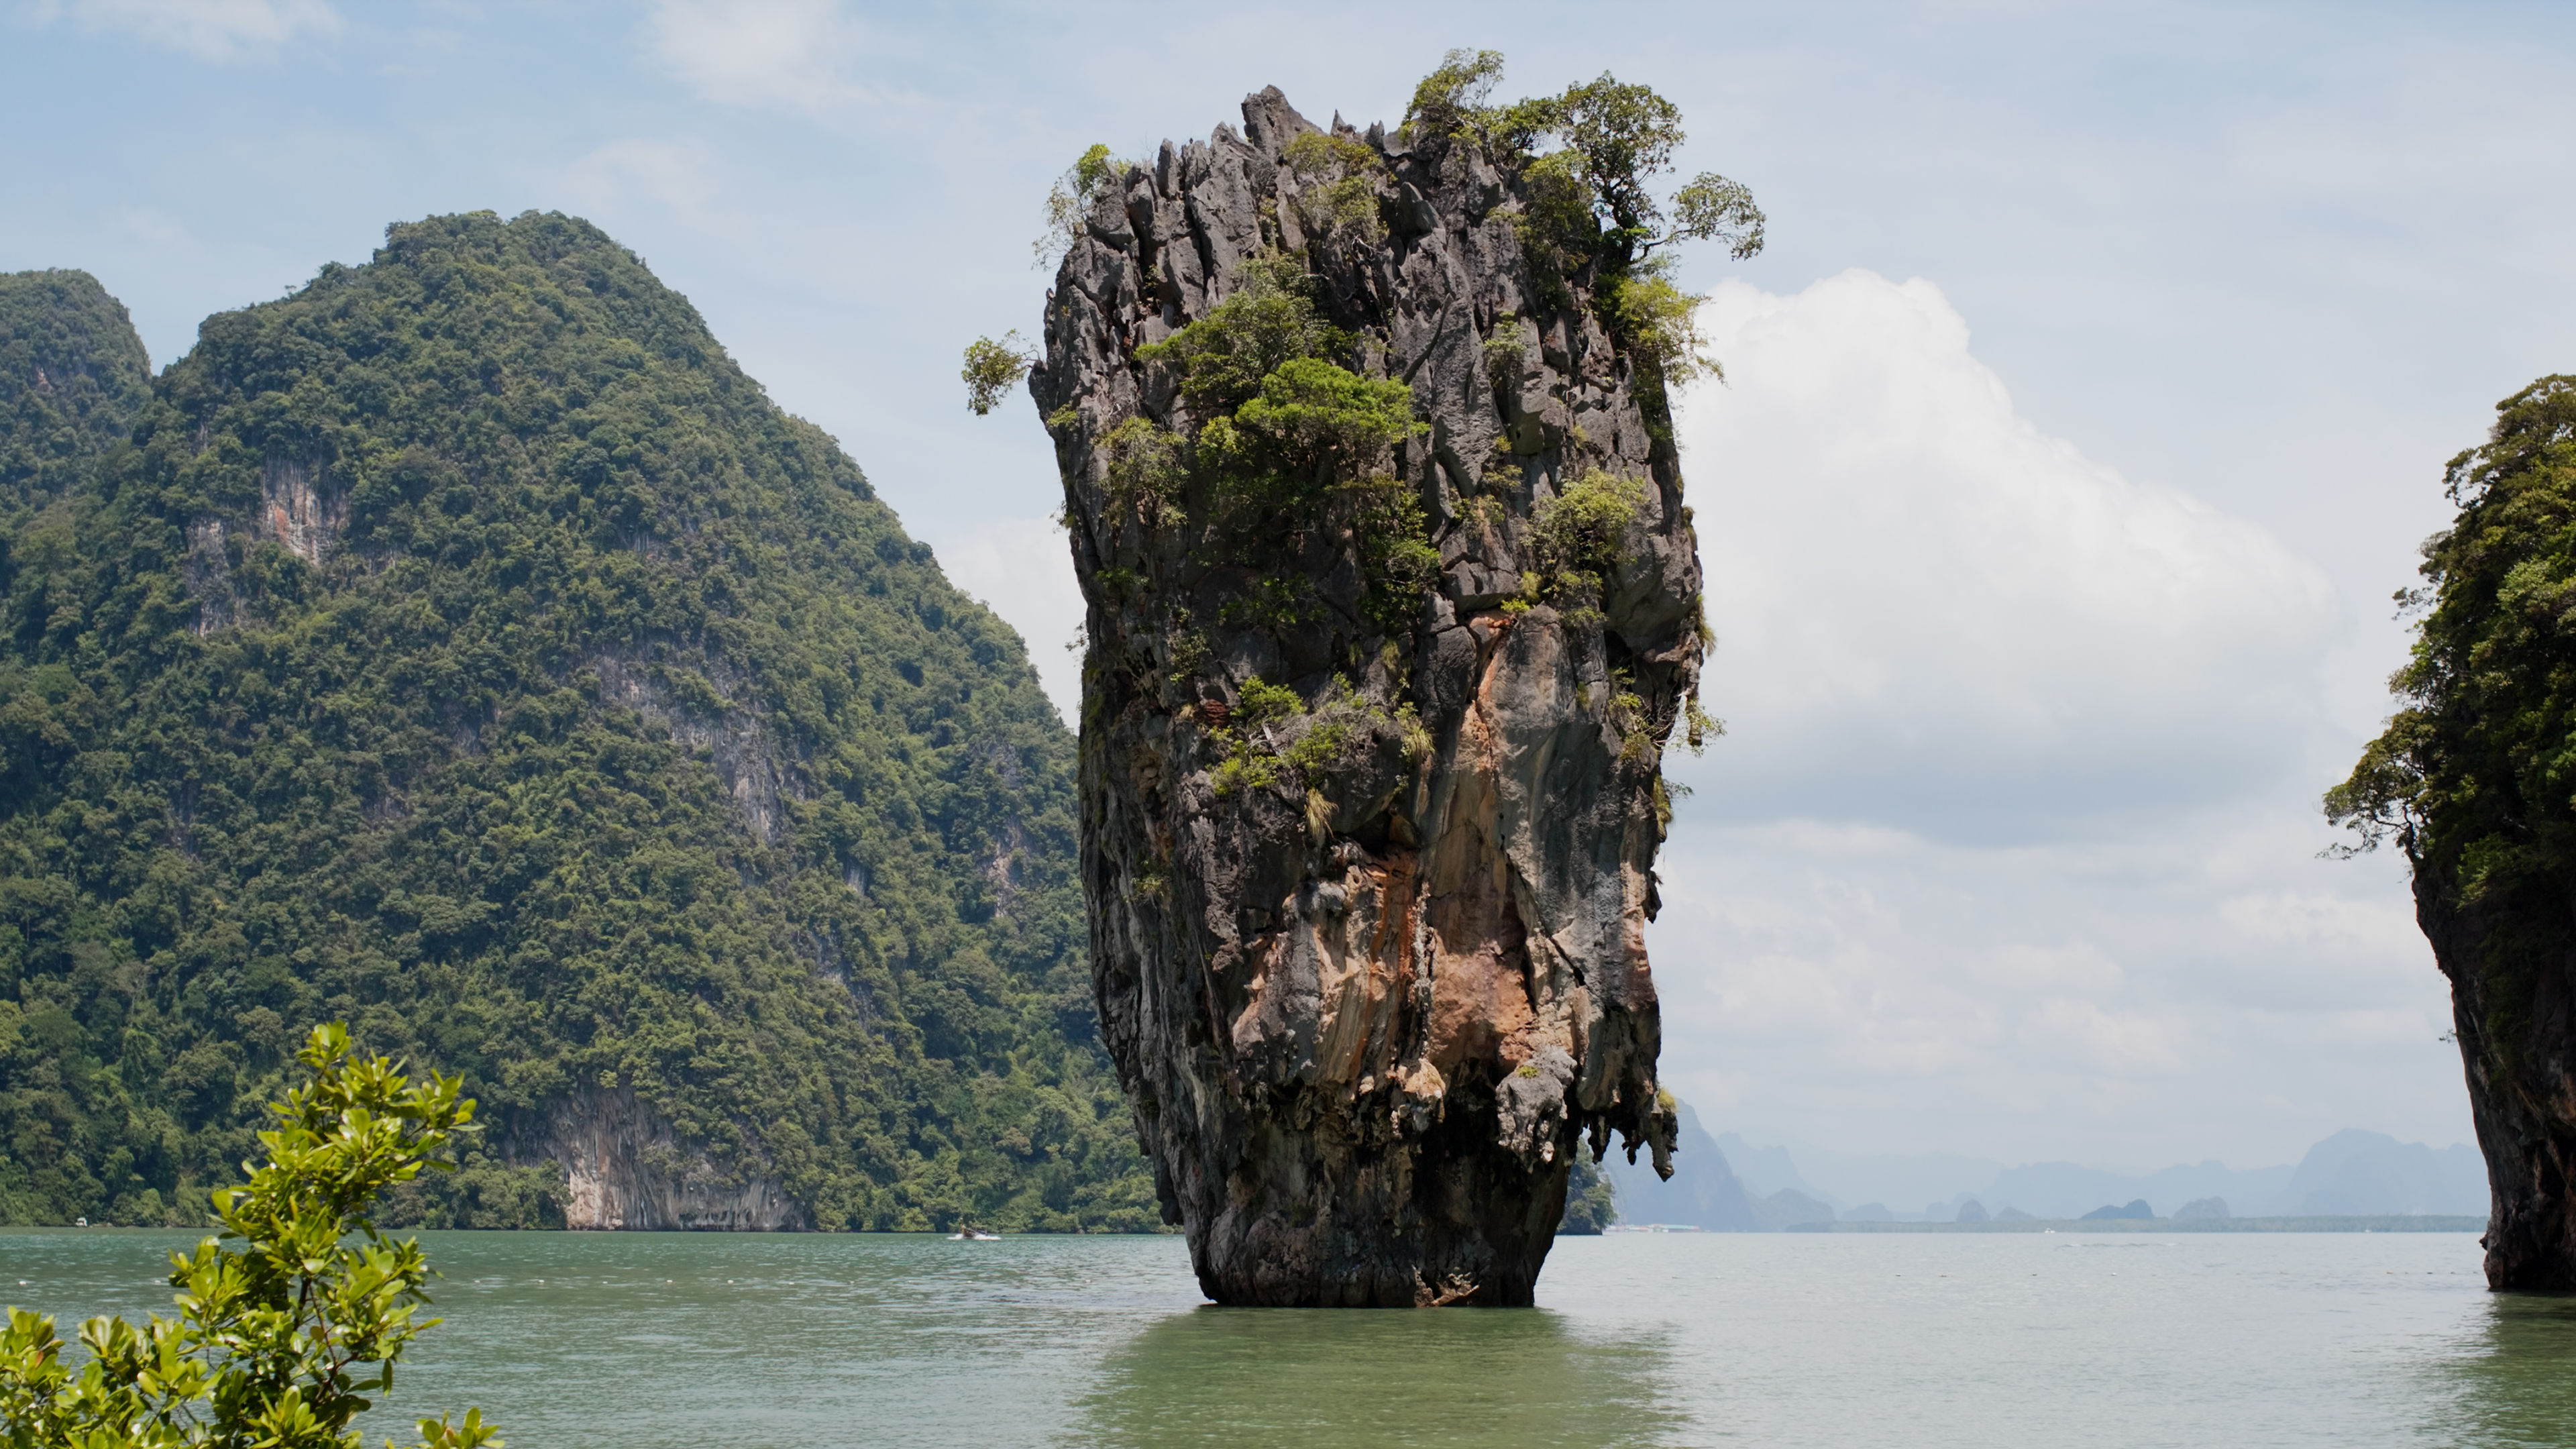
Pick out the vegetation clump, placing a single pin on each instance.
(2475, 775)
(992, 369)
(1593, 214)
(1147, 471)
(1338, 201)
(1070, 199)
(1579, 537)
(1293, 442)
(1269, 320)
(1271, 738)
(280, 1339)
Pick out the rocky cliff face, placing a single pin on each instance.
(625, 1169)
(1370, 771)
(2514, 1011)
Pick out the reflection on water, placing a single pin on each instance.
(1494, 1378)
(2516, 1383)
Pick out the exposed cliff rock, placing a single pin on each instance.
(1371, 750)
(624, 1169)
(2514, 1011)
(300, 508)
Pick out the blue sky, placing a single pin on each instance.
(2086, 408)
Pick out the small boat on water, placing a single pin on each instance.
(970, 1234)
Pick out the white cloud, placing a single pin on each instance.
(2013, 824)
(2133, 997)
(1932, 615)
(2076, 966)
(214, 29)
(2096, 1040)
(2286, 916)
(678, 175)
(795, 54)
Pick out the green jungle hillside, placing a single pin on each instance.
(465, 648)
(72, 378)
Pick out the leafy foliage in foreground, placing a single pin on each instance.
(2475, 777)
(275, 1338)
(466, 649)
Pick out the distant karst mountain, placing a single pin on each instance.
(1705, 1192)
(464, 647)
(1727, 1184)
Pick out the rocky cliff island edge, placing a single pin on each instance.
(1393, 605)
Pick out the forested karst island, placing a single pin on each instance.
(465, 648)
(1393, 605)
(2475, 779)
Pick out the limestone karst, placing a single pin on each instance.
(464, 647)
(2471, 780)
(1393, 604)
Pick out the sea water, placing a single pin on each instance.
(642, 1340)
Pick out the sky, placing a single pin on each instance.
(2088, 405)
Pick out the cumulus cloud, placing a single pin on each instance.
(1933, 615)
(2338, 920)
(2011, 846)
(794, 54)
(214, 29)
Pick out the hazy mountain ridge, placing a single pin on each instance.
(2352, 1173)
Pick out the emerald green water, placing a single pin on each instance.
(649, 1340)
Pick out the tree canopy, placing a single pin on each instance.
(1615, 139)
(2475, 775)
(2481, 759)
(73, 376)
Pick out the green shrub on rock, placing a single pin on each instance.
(1580, 535)
(992, 369)
(1070, 200)
(1591, 211)
(1270, 319)
(1339, 202)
